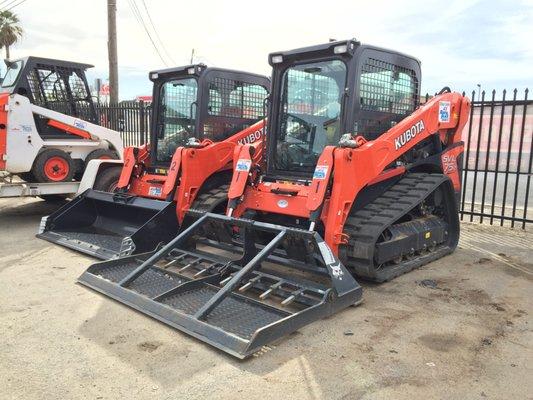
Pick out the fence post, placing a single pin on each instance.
(142, 127)
(509, 153)
(466, 168)
(529, 174)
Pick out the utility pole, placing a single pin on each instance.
(112, 50)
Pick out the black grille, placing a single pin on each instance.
(236, 99)
(232, 106)
(386, 87)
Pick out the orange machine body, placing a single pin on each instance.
(189, 170)
(341, 172)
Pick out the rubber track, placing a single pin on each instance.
(209, 200)
(365, 225)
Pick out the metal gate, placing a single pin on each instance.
(498, 158)
(131, 119)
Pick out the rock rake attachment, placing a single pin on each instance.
(238, 294)
(109, 225)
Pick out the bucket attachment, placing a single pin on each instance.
(237, 296)
(109, 225)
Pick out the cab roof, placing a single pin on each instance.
(52, 61)
(199, 69)
(329, 48)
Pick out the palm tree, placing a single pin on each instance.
(10, 30)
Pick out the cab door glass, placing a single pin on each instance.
(12, 74)
(177, 116)
(310, 110)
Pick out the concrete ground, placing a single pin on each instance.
(469, 335)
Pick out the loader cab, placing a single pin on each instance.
(195, 101)
(321, 92)
(53, 84)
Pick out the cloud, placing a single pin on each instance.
(460, 42)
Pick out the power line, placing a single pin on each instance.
(3, 1)
(140, 20)
(9, 2)
(10, 5)
(156, 33)
(16, 5)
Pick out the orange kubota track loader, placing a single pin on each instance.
(199, 115)
(357, 180)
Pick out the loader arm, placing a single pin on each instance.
(199, 164)
(133, 156)
(81, 128)
(253, 134)
(356, 168)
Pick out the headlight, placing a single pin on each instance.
(343, 48)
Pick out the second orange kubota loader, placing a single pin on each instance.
(199, 115)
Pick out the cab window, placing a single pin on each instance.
(177, 106)
(310, 110)
(12, 74)
(232, 106)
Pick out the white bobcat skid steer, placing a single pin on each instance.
(51, 158)
(48, 126)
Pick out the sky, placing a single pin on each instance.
(461, 43)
